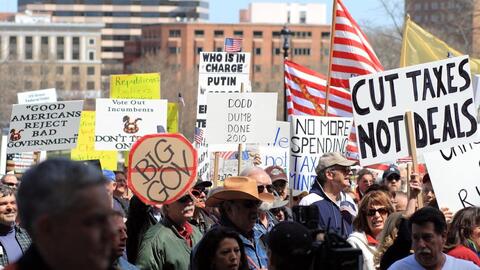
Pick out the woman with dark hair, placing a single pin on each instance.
(463, 237)
(220, 249)
(374, 209)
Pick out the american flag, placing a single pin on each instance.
(352, 55)
(227, 155)
(233, 45)
(306, 92)
(198, 135)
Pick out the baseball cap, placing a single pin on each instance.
(200, 184)
(330, 159)
(109, 175)
(392, 169)
(290, 239)
(276, 173)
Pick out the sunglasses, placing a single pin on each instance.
(261, 189)
(345, 170)
(249, 204)
(185, 199)
(11, 185)
(393, 177)
(197, 192)
(381, 211)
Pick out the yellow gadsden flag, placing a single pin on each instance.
(419, 46)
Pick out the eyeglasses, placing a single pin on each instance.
(185, 199)
(197, 192)
(249, 204)
(393, 177)
(381, 211)
(13, 185)
(344, 170)
(261, 189)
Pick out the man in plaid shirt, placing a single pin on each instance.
(14, 241)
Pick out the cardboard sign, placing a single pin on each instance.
(135, 86)
(85, 149)
(120, 122)
(454, 174)
(235, 118)
(277, 152)
(45, 126)
(311, 137)
(38, 96)
(219, 72)
(162, 168)
(438, 93)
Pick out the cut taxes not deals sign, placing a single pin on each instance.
(120, 122)
(44, 126)
(235, 118)
(438, 93)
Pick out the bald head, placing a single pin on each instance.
(258, 174)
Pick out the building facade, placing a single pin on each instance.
(123, 20)
(292, 13)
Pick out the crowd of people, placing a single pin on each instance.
(64, 214)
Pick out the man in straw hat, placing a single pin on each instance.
(239, 201)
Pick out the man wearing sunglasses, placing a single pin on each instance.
(391, 178)
(168, 244)
(10, 180)
(202, 218)
(336, 209)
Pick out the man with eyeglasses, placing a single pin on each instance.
(391, 178)
(202, 218)
(336, 209)
(10, 180)
(168, 244)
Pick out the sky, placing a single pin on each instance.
(365, 12)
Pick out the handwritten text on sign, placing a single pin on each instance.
(440, 96)
(454, 174)
(241, 118)
(46, 126)
(312, 136)
(162, 168)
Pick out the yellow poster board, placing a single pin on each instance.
(172, 118)
(85, 149)
(135, 86)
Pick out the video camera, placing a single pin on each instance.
(331, 250)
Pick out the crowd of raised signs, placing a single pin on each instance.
(75, 216)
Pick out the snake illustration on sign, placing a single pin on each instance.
(162, 168)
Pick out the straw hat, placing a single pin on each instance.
(237, 188)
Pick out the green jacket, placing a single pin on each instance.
(163, 248)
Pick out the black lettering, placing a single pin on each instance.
(382, 126)
(451, 88)
(360, 111)
(390, 78)
(432, 126)
(378, 106)
(420, 131)
(396, 129)
(448, 129)
(462, 195)
(368, 139)
(471, 118)
(438, 77)
(464, 74)
(460, 133)
(427, 85)
(413, 75)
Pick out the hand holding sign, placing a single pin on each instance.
(162, 168)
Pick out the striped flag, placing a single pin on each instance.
(352, 55)
(227, 155)
(306, 92)
(198, 137)
(233, 45)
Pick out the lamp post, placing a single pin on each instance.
(285, 34)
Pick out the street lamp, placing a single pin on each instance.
(285, 34)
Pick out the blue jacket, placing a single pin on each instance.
(330, 216)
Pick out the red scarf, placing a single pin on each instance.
(186, 232)
(371, 240)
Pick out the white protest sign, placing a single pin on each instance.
(45, 126)
(38, 96)
(454, 174)
(218, 72)
(120, 122)
(438, 93)
(228, 163)
(235, 118)
(311, 137)
(277, 152)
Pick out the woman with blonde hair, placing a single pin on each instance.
(374, 209)
(388, 235)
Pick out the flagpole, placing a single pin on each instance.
(332, 36)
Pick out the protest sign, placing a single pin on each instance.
(172, 117)
(135, 86)
(120, 122)
(45, 126)
(38, 96)
(229, 167)
(235, 118)
(219, 72)
(162, 168)
(277, 152)
(85, 149)
(311, 137)
(438, 93)
(453, 173)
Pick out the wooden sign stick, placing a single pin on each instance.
(239, 158)
(215, 170)
(412, 149)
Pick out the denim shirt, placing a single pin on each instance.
(270, 224)
(256, 251)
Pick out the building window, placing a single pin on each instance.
(257, 34)
(325, 35)
(91, 70)
(174, 33)
(28, 85)
(60, 48)
(199, 33)
(258, 68)
(75, 85)
(258, 51)
(218, 49)
(90, 85)
(59, 85)
(12, 48)
(43, 84)
(91, 55)
(76, 48)
(91, 41)
(218, 33)
(199, 50)
(303, 17)
(174, 50)
(28, 70)
(59, 70)
(28, 48)
(44, 48)
(238, 33)
(75, 70)
(276, 51)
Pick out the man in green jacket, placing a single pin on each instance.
(167, 245)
